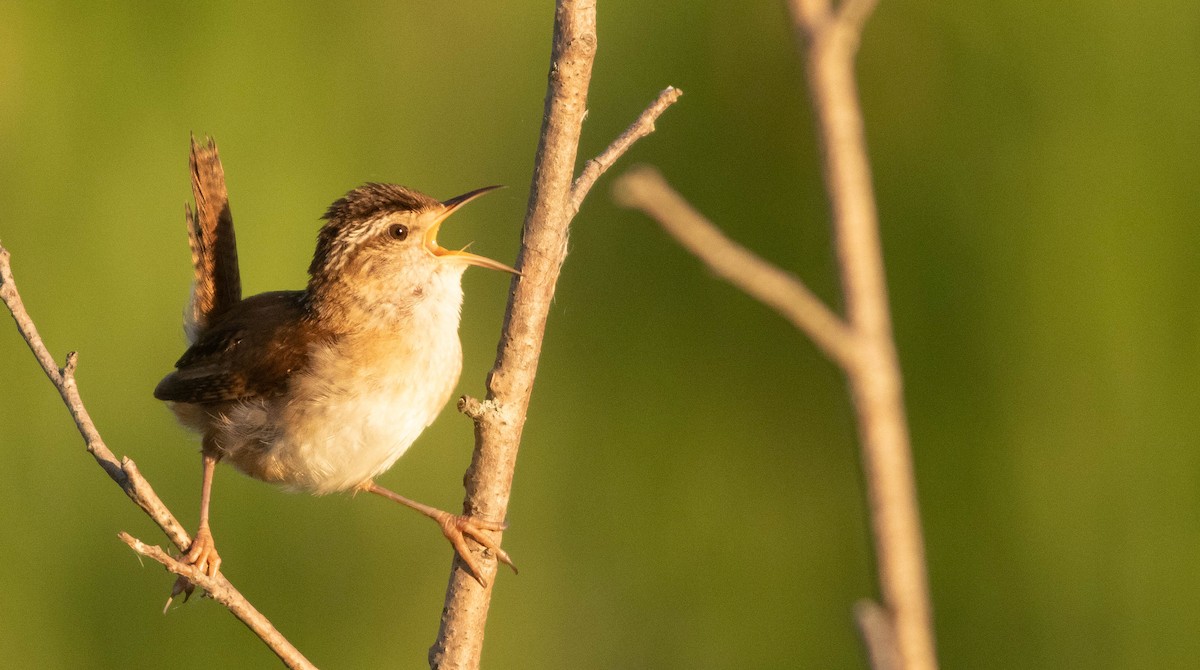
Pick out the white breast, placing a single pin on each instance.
(347, 432)
(364, 400)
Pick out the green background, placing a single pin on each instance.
(688, 493)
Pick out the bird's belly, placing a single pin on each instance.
(347, 418)
(341, 443)
(336, 438)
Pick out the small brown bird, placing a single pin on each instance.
(321, 390)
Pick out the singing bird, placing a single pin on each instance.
(321, 390)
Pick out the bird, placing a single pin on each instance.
(321, 390)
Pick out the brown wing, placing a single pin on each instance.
(218, 284)
(251, 350)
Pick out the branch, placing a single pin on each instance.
(853, 14)
(645, 189)
(127, 476)
(643, 126)
(875, 381)
(488, 480)
(219, 589)
(875, 629)
(862, 342)
(554, 199)
(810, 13)
(818, 20)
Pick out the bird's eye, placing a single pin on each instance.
(398, 231)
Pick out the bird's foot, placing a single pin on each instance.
(456, 526)
(203, 556)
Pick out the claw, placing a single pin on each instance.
(202, 555)
(182, 585)
(455, 527)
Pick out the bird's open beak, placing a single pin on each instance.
(462, 254)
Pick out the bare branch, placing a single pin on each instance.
(875, 629)
(489, 478)
(815, 19)
(811, 14)
(875, 382)
(645, 189)
(853, 14)
(643, 126)
(25, 325)
(127, 476)
(543, 250)
(862, 343)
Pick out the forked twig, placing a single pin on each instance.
(641, 127)
(899, 634)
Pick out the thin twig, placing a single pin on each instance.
(219, 589)
(127, 476)
(641, 127)
(124, 473)
(645, 189)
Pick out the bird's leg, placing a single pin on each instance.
(454, 527)
(202, 553)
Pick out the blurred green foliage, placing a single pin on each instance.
(688, 493)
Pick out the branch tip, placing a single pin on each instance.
(134, 543)
(641, 127)
(471, 407)
(878, 635)
(627, 191)
(68, 370)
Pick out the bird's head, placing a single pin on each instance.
(379, 245)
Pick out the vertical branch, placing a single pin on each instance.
(830, 38)
(500, 419)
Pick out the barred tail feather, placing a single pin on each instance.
(217, 284)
